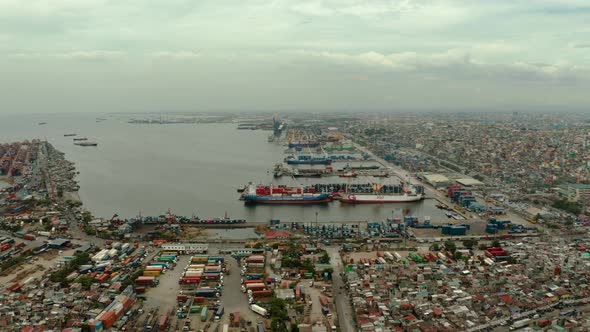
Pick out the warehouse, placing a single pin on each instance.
(469, 183)
(437, 180)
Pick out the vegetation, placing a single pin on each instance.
(89, 230)
(496, 243)
(60, 275)
(278, 314)
(11, 262)
(325, 259)
(483, 246)
(469, 243)
(435, 247)
(567, 206)
(450, 246)
(86, 282)
(86, 217)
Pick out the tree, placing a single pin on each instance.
(483, 246)
(325, 259)
(458, 255)
(294, 328)
(469, 243)
(450, 246)
(86, 282)
(496, 243)
(435, 247)
(86, 217)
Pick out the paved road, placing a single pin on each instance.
(343, 307)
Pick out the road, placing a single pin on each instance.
(343, 306)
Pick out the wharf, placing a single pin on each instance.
(220, 226)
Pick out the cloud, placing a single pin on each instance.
(96, 55)
(178, 55)
(454, 64)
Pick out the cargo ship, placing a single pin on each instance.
(86, 144)
(307, 160)
(409, 194)
(283, 195)
(304, 144)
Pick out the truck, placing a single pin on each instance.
(146, 280)
(30, 237)
(207, 292)
(259, 310)
(204, 314)
(520, 324)
(262, 294)
(235, 319)
(43, 233)
(219, 313)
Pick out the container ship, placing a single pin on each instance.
(304, 144)
(308, 160)
(283, 195)
(410, 194)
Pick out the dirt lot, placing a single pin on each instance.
(34, 268)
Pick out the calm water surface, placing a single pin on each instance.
(187, 168)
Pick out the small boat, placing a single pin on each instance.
(42, 123)
(81, 139)
(69, 135)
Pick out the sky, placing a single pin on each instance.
(290, 55)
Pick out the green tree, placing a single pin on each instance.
(325, 259)
(450, 246)
(86, 282)
(482, 246)
(496, 243)
(435, 247)
(469, 243)
(458, 255)
(86, 217)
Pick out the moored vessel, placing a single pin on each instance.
(283, 195)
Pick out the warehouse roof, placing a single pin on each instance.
(436, 178)
(469, 182)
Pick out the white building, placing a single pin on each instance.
(187, 248)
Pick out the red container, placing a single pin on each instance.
(29, 237)
(181, 298)
(247, 282)
(4, 246)
(190, 280)
(140, 290)
(236, 321)
(262, 293)
(198, 299)
(256, 287)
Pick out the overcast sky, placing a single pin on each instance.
(154, 55)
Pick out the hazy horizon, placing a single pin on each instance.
(309, 56)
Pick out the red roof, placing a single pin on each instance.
(273, 235)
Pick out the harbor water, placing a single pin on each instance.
(187, 168)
